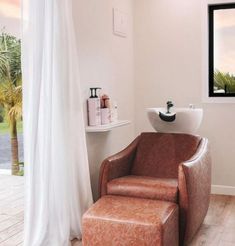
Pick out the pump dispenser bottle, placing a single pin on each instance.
(93, 106)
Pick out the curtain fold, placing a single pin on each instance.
(57, 179)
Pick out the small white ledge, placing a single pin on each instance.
(108, 127)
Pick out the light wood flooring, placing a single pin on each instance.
(11, 210)
(218, 228)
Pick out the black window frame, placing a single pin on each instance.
(211, 10)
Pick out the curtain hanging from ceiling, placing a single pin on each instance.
(57, 183)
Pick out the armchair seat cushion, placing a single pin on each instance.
(144, 187)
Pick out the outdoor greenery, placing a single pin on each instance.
(224, 81)
(11, 90)
(4, 127)
(2, 113)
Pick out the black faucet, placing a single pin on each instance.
(169, 105)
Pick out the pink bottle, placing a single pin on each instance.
(93, 106)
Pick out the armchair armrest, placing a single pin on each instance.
(194, 191)
(116, 166)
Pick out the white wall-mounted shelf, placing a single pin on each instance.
(108, 127)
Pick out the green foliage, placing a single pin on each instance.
(224, 81)
(10, 76)
(10, 59)
(21, 171)
(2, 114)
(11, 89)
(11, 99)
(4, 127)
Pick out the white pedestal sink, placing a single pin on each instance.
(180, 120)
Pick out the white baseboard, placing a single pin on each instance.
(223, 190)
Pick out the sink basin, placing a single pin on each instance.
(180, 120)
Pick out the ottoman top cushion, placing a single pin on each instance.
(131, 210)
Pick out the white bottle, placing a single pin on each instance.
(93, 106)
(114, 112)
(105, 116)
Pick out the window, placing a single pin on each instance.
(222, 50)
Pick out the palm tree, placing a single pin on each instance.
(224, 81)
(11, 89)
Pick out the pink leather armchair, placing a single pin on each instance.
(162, 166)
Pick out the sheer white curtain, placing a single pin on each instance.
(57, 173)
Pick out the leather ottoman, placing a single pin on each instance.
(128, 221)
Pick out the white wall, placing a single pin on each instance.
(106, 60)
(168, 65)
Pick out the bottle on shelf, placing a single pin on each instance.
(105, 110)
(94, 108)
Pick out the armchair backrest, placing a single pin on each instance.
(159, 154)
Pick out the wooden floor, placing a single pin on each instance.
(11, 210)
(218, 228)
